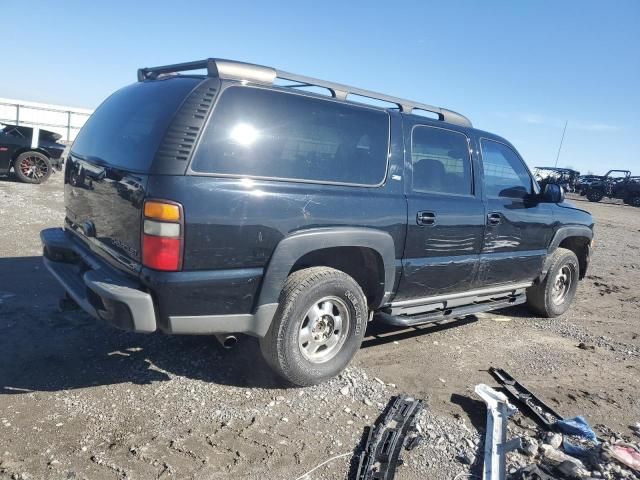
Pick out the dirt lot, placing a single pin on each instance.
(81, 400)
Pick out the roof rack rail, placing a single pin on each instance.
(233, 70)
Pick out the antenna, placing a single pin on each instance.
(561, 140)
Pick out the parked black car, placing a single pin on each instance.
(583, 182)
(32, 159)
(296, 217)
(613, 184)
(630, 191)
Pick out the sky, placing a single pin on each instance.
(520, 69)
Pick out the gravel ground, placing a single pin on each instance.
(79, 399)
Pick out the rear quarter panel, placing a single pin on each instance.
(237, 223)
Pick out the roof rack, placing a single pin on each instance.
(233, 70)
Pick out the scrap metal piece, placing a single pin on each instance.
(546, 415)
(381, 452)
(496, 445)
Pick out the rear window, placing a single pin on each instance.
(126, 130)
(264, 133)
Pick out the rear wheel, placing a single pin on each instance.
(553, 295)
(32, 167)
(635, 201)
(318, 327)
(595, 195)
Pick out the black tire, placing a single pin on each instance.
(635, 201)
(32, 167)
(594, 195)
(283, 345)
(545, 298)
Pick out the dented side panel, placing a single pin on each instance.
(237, 223)
(515, 249)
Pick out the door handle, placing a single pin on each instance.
(426, 218)
(494, 218)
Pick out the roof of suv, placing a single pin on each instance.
(247, 72)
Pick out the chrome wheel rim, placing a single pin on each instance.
(324, 329)
(33, 167)
(562, 284)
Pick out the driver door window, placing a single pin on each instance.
(504, 173)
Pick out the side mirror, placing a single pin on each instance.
(553, 193)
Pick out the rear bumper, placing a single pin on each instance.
(99, 289)
(127, 302)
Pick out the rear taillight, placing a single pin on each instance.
(162, 235)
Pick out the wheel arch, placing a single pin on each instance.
(22, 150)
(576, 238)
(364, 264)
(329, 247)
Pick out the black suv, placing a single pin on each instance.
(242, 202)
(615, 184)
(31, 152)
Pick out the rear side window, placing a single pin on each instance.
(264, 133)
(504, 173)
(125, 131)
(441, 161)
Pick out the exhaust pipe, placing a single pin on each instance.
(227, 341)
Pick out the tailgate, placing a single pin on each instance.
(104, 206)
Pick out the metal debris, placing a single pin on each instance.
(496, 445)
(542, 412)
(381, 453)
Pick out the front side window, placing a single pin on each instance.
(441, 161)
(504, 173)
(265, 133)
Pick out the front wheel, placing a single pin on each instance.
(318, 327)
(553, 296)
(32, 167)
(635, 201)
(595, 195)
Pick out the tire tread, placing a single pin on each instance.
(537, 295)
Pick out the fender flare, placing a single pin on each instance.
(19, 151)
(55, 162)
(561, 234)
(294, 246)
(569, 231)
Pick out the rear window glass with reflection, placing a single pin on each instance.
(265, 133)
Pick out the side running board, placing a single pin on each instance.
(445, 313)
(384, 441)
